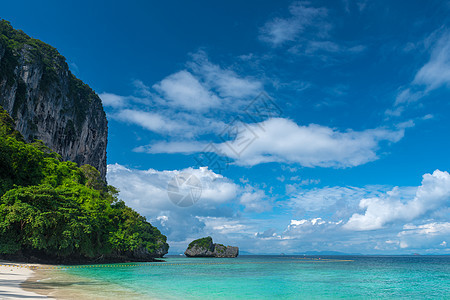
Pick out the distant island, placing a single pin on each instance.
(205, 247)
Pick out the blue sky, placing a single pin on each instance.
(327, 120)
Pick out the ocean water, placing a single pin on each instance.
(268, 277)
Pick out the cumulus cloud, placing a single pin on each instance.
(303, 227)
(146, 191)
(186, 103)
(204, 86)
(183, 90)
(282, 140)
(424, 236)
(379, 211)
(255, 200)
(403, 218)
(224, 226)
(408, 215)
(268, 234)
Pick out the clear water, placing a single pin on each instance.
(275, 277)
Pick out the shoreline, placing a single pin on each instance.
(38, 281)
(12, 278)
(52, 281)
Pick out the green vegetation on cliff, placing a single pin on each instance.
(54, 209)
(203, 243)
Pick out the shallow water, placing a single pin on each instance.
(266, 277)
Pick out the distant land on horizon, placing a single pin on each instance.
(328, 253)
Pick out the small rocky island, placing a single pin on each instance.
(205, 247)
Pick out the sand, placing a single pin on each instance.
(18, 281)
(11, 278)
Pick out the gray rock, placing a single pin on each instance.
(49, 103)
(143, 253)
(222, 251)
(205, 247)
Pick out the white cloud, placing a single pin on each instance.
(146, 190)
(255, 200)
(268, 234)
(204, 86)
(223, 212)
(183, 90)
(424, 236)
(307, 32)
(186, 103)
(407, 96)
(224, 226)
(436, 72)
(152, 121)
(307, 227)
(282, 140)
(216, 212)
(112, 100)
(338, 200)
(142, 88)
(379, 211)
(172, 147)
(302, 17)
(226, 82)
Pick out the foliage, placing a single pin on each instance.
(201, 243)
(56, 209)
(220, 248)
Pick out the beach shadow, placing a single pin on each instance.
(19, 296)
(10, 283)
(52, 285)
(10, 274)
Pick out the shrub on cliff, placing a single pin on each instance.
(54, 209)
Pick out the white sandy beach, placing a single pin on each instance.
(10, 279)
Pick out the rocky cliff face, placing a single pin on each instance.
(205, 247)
(144, 254)
(48, 102)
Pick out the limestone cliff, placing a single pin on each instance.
(205, 247)
(48, 102)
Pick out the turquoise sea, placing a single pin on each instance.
(268, 277)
